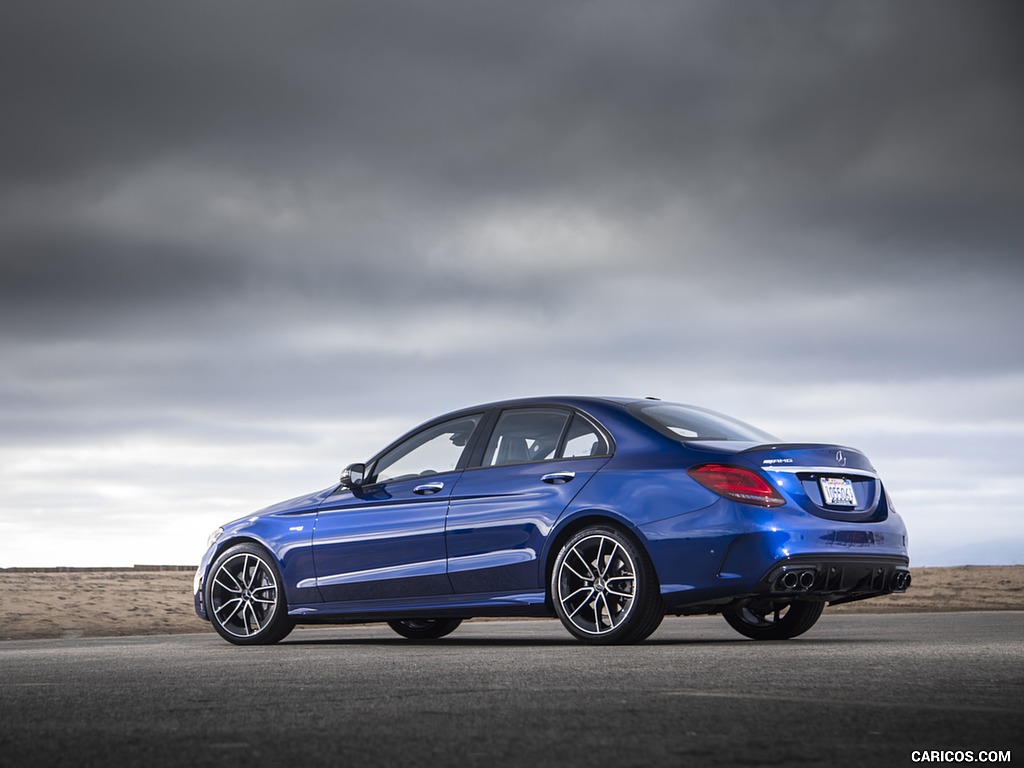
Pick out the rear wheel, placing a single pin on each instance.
(604, 588)
(770, 620)
(424, 629)
(245, 598)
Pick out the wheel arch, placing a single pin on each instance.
(570, 526)
(227, 543)
(223, 545)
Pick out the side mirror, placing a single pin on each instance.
(353, 475)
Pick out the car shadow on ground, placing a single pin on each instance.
(568, 642)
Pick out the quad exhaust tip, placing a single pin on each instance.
(803, 580)
(795, 581)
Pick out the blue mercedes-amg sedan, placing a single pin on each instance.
(608, 513)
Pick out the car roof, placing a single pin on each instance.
(579, 401)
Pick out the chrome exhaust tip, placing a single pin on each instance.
(789, 580)
(795, 581)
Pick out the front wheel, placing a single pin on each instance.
(604, 588)
(424, 629)
(769, 620)
(245, 599)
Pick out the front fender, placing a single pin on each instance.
(277, 535)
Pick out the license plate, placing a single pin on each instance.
(837, 491)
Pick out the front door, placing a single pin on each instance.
(386, 539)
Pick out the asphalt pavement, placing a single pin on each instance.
(861, 690)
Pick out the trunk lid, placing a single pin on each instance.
(830, 481)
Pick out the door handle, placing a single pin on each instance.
(558, 478)
(424, 490)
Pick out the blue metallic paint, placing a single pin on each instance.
(484, 545)
(499, 510)
(389, 533)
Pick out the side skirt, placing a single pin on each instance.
(494, 604)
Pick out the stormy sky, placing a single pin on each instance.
(243, 244)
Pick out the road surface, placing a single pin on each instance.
(866, 691)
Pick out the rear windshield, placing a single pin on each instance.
(688, 422)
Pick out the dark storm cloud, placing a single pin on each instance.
(463, 97)
(246, 224)
(781, 127)
(51, 274)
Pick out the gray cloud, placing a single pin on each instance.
(246, 231)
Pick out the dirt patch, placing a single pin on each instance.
(962, 588)
(97, 603)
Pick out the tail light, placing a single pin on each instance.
(738, 484)
(888, 502)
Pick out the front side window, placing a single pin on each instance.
(525, 434)
(432, 451)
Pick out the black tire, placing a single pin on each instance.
(245, 597)
(768, 620)
(424, 629)
(604, 588)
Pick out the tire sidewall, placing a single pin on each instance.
(645, 611)
(802, 615)
(436, 629)
(280, 624)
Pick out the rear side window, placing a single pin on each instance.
(688, 422)
(524, 435)
(583, 439)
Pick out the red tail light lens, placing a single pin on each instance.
(737, 483)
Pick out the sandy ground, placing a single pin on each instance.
(89, 603)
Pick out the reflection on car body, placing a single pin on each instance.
(608, 513)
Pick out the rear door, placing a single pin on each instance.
(534, 463)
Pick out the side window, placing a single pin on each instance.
(525, 434)
(583, 440)
(434, 450)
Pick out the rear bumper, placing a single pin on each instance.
(836, 579)
(731, 552)
(827, 578)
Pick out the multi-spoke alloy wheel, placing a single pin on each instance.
(769, 620)
(245, 601)
(604, 589)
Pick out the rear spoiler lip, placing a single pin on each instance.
(796, 446)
